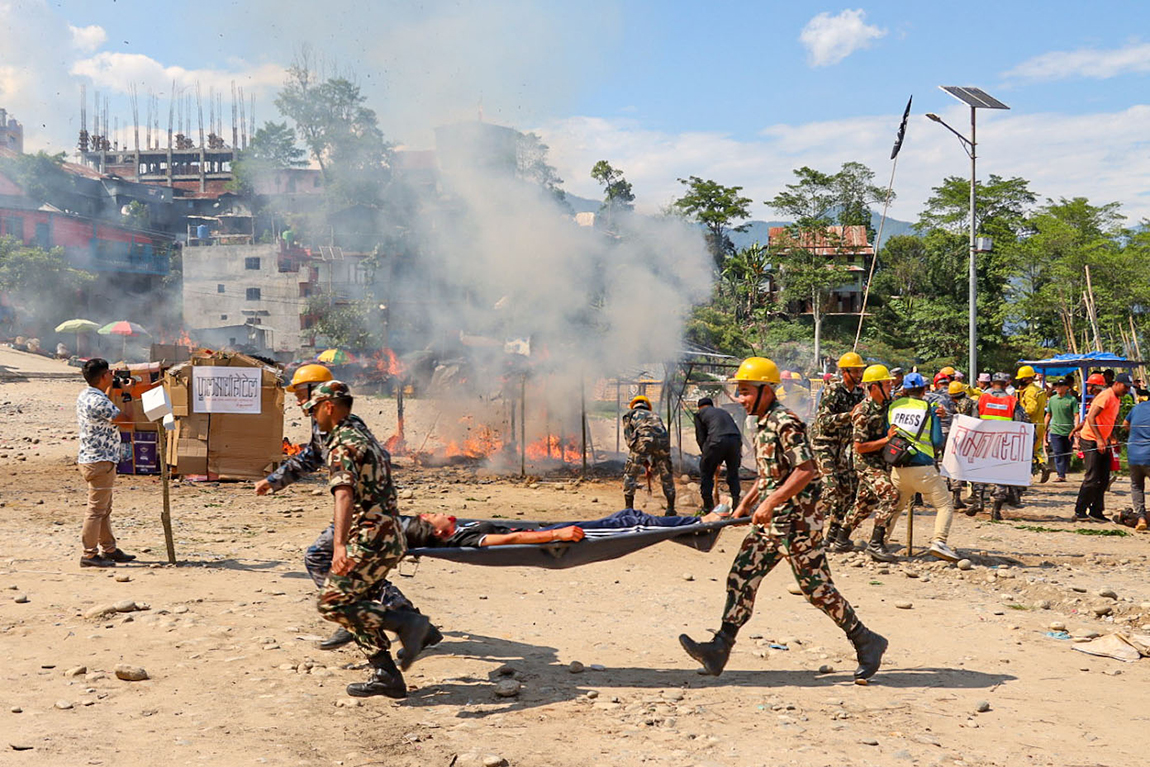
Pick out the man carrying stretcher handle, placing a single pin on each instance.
(786, 523)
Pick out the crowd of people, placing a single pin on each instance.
(873, 447)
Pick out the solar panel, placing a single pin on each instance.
(975, 97)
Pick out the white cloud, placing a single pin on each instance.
(1085, 62)
(830, 39)
(1098, 156)
(116, 71)
(87, 39)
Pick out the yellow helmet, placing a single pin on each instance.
(1026, 372)
(947, 371)
(956, 387)
(309, 374)
(851, 360)
(641, 399)
(875, 374)
(757, 370)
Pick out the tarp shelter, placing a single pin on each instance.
(1065, 364)
(228, 409)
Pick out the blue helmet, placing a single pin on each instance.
(913, 381)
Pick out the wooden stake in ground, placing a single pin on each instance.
(166, 512)
(910, 529)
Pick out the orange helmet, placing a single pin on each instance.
(1096, 379)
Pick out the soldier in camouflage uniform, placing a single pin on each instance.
(787, 523)
(963, 404)
(831, 440)
(313, 457)
(368, 543)
(650, 445)
(870, 432)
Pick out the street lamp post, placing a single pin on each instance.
(976, 99)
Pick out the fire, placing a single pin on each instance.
(290, 449)
(185, 340)
(396, 445)
(483, 441)
(554, 448)
(388, 363)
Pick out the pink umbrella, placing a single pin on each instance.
(124, 329)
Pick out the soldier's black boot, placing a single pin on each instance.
(628, 500)
(877, 546)
(958, 503)
(412, 629)
(839, 538)
(869, 649)
(996, 512)
(670, 512)
(434, 637)
(714, 654)
(341, 637)
(385, 679)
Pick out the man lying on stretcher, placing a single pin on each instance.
(439, 530)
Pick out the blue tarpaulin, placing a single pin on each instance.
(1066, 364)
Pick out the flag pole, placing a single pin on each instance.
(874, 258)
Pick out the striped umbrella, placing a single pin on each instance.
(335, 357)
(124, 329)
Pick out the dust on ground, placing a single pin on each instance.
(228, 637)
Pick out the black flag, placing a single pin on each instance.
(901, 130)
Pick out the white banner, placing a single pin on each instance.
(994, 452)
(226, 390)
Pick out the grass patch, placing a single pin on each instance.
(1077, 531)
(1096, 531)
(876, 583)
(1019, 607)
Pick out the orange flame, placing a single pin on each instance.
(290, 449)
(388, 363)
(554, 448)
(185, 340)
(396, 445)
(481, 443)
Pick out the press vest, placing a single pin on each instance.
(996, 407)
(907, 414)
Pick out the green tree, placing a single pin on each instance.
(717, 208)
(617, 194)
(340, 132)
(744, 279)
(41, 283)
(272, 148)
(344, 325)
(531, 165)
(40, 175)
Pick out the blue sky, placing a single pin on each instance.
(739, 92)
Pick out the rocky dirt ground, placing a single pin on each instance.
(227, 638)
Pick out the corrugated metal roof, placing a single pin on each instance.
(853, 240)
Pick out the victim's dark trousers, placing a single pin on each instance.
(727, 450)
(1060, 451)
(1092, 493)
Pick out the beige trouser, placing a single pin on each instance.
(909, 480)
(97, 531)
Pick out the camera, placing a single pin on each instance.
(121, 380)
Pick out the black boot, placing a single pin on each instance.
(670, 507)
(434, 637)
(713, 655)
(841, 541)
(996, 512)
(958, 503)
(412, 629)
(341, 637)
(877, 546)
(628, 500)
(385, 679)
(869, 649)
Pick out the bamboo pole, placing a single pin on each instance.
(1137, 350)
(583, 420)
(910, 529)
(874, 257)
(523, 426)
(1090, 306)
(166, 511)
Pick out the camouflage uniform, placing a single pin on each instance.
(966, 406)
(795, 531)
(375, 542)
(649, 442)
(317, 558)
(830, 438)
(999, 492)
(876, 493)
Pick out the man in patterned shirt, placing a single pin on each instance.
(367, 543)
(97, 459)
(786, 525)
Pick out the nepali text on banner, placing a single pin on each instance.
(993, 452)
(226, 390)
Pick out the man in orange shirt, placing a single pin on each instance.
(1095, 440)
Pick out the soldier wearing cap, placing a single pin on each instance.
(367, 543)
(831, 441)
(786, 524)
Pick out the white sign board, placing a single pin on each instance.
(226, 390)
(994, 452)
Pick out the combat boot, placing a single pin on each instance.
(628, 500)
(714, 654)
(841, 542)
(869, 649)
(877, 546)
(412, 629)
(434, 637)
(385, 679)
(958, 502)
(341, 637)
(996, 511)
(670, 512)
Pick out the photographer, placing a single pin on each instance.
(99, 453)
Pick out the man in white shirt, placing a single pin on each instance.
(99, 454)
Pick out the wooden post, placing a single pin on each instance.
(910, 529)
(166, 512)
(523, 426)
(618, 412)
(583, 420)
(1137, 350)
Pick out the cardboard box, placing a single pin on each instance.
(225, 445)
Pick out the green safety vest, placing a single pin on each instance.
(907, 414)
